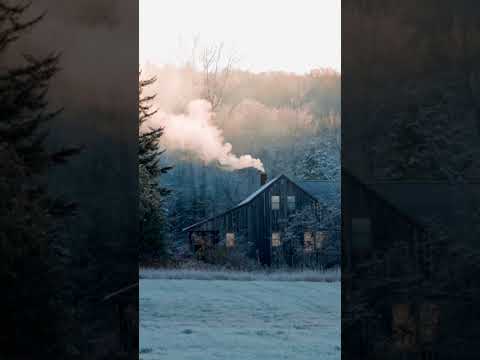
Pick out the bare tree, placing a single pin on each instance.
(216, 68)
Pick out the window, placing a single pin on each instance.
(308, 241)
(276, 239)
(320, 237)
(403, 326)
(230, 240)
(361, 233)
(429, 318)
(291, 202)
(198, 239)
(275, 202)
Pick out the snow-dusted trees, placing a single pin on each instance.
(319, 157)
(426, 141)
(310, 238)
(152, 217)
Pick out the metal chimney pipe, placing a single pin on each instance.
(263, 178)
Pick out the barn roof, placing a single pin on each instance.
(427, 201)
(311, 188)
(328, 191)
(422, 201)
(258, 192)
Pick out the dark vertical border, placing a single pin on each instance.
(97, 86)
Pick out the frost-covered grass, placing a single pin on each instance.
(239, 320)
(330, 275)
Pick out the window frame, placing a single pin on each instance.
(278, 241)
(403, 319)
(277, 207)
(289, 202)
(311, 243)
(230, 240)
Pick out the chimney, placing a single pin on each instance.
(263, 178)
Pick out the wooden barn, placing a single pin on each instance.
(256, 224)
(405, 284)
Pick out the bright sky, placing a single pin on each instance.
(288, 35)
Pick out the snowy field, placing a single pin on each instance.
(239, 320)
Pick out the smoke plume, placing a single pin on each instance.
(194, 132)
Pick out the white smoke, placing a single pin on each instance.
(194, 131)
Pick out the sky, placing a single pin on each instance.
(263, 35)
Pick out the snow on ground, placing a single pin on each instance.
(222, 274)
(239, 320)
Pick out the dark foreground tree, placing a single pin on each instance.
(33, 255)
(152, 214)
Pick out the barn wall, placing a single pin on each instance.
(267, 220)
(394, 236)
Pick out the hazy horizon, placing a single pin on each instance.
(291, 37)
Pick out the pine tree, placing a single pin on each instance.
(149, 138)
(32, 255)
(319, 157)
(152, 217)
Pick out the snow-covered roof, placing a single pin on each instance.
(325, 191)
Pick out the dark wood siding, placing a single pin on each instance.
(394, 235)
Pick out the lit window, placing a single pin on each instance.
(291, 202)
(276, 239)
(308, 241)
(320, 237)
(275, 202)
(403, 325)
(230, 239)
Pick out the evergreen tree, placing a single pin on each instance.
(152, 217)
(33, 256)
(149, 138)
(318, 157)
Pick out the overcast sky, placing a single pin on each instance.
(288, 35)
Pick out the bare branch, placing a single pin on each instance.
(217, 69)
